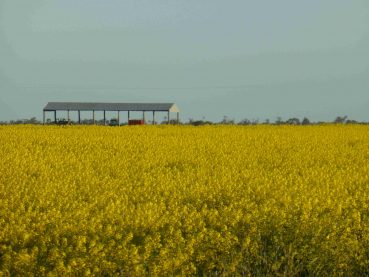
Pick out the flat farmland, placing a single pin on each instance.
(182, 200)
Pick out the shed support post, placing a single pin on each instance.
(168, 117)
(93, 117)
(55, 116)
(118, 118)
(177, 117)
(153, 117)
(128, 117)
(104, 118)
(68, 117)
(143, 116)
(43, 118)
(79, 117)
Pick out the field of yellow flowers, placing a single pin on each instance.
(180, 200)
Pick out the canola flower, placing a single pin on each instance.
(192, 201)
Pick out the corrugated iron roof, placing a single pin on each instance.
(86, 106)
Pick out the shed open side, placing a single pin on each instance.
(118, 107)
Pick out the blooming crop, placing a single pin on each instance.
(171, 200)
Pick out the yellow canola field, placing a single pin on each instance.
(171, 200)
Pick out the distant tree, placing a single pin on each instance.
(32, 120)
(227, 121)
(351, 121)
(340, 119)
(199, 122)
(279, 121)
(255, 121)
(305, 121)
(266, 121)
(293, 121)
(244, 122)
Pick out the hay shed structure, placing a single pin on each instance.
(104, 107)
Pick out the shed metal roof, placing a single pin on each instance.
(92, 106)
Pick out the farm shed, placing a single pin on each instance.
(104, 107)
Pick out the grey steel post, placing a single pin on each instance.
(68, 117)
(104, 118)
(153, 117)
(128, 117)
(55, 116)
(93, 117)
(143, 116)
(79, 117)
(118, 119)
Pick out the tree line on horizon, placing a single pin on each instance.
(225, 121)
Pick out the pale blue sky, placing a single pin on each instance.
(255, 59)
